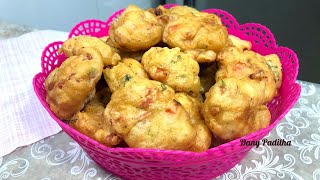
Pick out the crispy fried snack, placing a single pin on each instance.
(118, 75)
(146, 115)
(73, 46)
(137, 55)
(202, 141)
(107, 40)
(231, 111)
(91, 122)
(161, 13)
(189, 29)
(273, 61)
(182, 11)
(185, 10)
(202, 55)
(71, 85)
(247, 64)
(173, 68)
(242, 45)
(135, 30)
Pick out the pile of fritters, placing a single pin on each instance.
(165, 79)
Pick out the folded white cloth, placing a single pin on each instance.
(23, 119)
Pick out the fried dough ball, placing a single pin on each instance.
(146, 115)
(91, 122)
(161, 13)
(137, 55)
(189, 29)
(163, 130)
(164, 15)
(247, 64)
(118, 75)
(202, 55)
(158, 11)
(188, 34)
(182, 11)
(207, 76)
(72, 84)
(202, 141)
(273, 61)
(105, 39)
(230, 110)
(173, 68)
(135, 30)
(242, 45)
(73, 46)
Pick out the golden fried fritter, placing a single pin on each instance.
(73, 83)
(183, 11)
(247, 64)
(173, 68)
(202, 55)
(107, 40)
(231, 111)
(188, 34)
(202, 141)
(164, 130)
(73, 46)
(189, 29)
(146, 115)
(158, 11)
(137, 55)
(118, 75)
(161, 13)
(242, 45)
(273, 61)
(91, 122)
(135, 30)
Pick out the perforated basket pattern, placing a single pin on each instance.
(90, 27)
(135, 163)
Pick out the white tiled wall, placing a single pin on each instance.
(62, 14)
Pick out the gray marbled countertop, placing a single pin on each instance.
(9, 30)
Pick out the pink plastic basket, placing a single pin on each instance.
(134, 163)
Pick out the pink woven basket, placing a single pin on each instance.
(134, 163)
